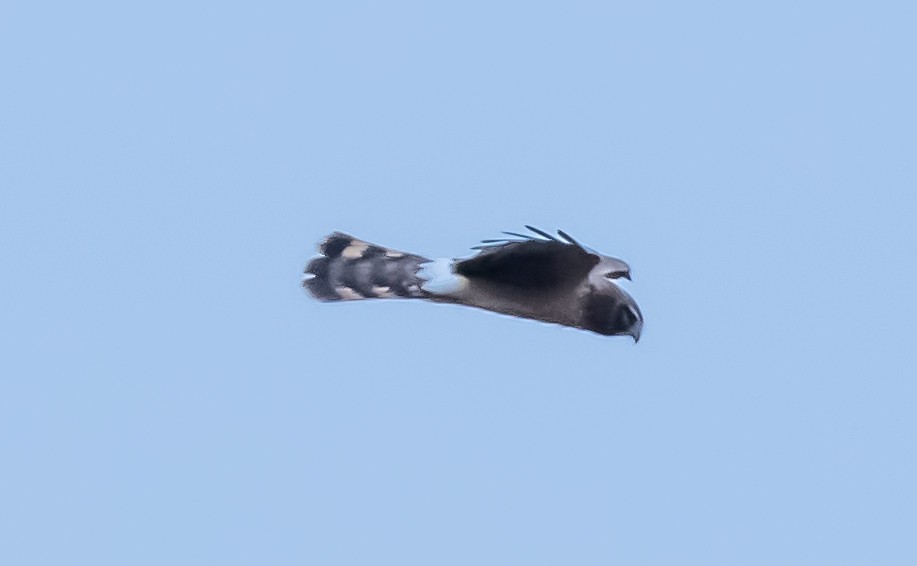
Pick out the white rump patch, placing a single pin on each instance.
(347, 293)
(439, 278)
(355, 249)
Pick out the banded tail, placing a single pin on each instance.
(350, 268)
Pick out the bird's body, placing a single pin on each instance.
(542, 278)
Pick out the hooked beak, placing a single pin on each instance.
(636, 330)
(635, 336)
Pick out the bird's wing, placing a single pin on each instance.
(545, 263)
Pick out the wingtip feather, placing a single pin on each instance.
(567, 237)
(541, 233)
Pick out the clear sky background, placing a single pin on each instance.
(170, 396)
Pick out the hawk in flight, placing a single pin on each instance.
(538, 276)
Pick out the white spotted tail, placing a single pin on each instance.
(349, 268)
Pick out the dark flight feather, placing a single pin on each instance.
(541, 233)
(567, 237)
(529, 264)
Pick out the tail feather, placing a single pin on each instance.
(350, 268)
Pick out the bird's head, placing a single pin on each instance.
(609, 309)
(615, 316)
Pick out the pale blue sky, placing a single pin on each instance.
(171, 397)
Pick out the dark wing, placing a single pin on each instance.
(530, 263)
